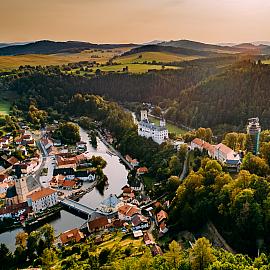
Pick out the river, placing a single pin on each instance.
(117, 178)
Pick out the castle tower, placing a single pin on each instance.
(162, 122)
(254, 131)
(144, 115)
(21, 189)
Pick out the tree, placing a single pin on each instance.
(173, 184)
(6, 257)
(255, 165)
(173, 256)
(47, 232)
(21, 239)
(48, 258)
(175, 165)
(201, 254)
(68, 133)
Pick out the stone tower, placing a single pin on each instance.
(144, 115)
(162, 122)
(254, 131)
(21, 189)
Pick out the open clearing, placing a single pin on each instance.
(100, 56)
(172, 128)
(154, 56)
(4, 107)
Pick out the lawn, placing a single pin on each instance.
(148, 182)
(172, 128)
(100, 56)
(154, 56)
(4, 107)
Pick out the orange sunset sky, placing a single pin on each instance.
(122, 21)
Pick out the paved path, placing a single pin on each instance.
(184, 171)
(113, 150)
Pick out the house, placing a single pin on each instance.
(139, 222)
(12, 161)
(109, 205)
(126, 211)
(74, 235)
(148, 238)
(69, 173)
(137, 234)
(4, 178)
(65, 162)
(128, 194)
(67, 184)
(57, 143)
(227, 156)
(133, 162)
(22, 149)
(202, 145)
(142, 170)
(98, 224)
(46, 143)
(161, 216)
(42, 199)
(135, 184)
(85, 175)
(159, 134)
(3, 189)
(156, 250)
(14, 211)
(162, 228)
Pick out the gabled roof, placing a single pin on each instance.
(98, 223)
(138, 219)
(71, 235)
(161, 215)
(223, 148)
(129, 210)
(44, 192)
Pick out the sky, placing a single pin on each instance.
(135, 21)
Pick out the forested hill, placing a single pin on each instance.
(151, 86)
(240, 48)
(52, 47)
(195, 96)
(228, 98)
(170, 49)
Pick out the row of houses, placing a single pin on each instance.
(220, 152)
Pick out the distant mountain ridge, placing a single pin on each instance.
(168, 49)
(53, 47)
(185, 47)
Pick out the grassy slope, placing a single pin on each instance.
(172, 128)
(10, 62)
(154, 56)
(4, 107)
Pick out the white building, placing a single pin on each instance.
(42, 199)
(149, 130)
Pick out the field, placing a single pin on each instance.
(154, 56)
(100, 56)
(172, 128)
(266, 61)
(134, 68)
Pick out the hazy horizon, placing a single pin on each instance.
(127, 21)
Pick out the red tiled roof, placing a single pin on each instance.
(223, 148)
(71, 235)
(98, 223)
(128, 210)
(44, 192)
(142, 170)
(161, 215)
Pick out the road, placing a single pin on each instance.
(184, 171)
(112, 149)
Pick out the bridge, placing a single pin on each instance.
(78, 207)
(83, 209)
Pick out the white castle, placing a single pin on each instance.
(149, 130)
